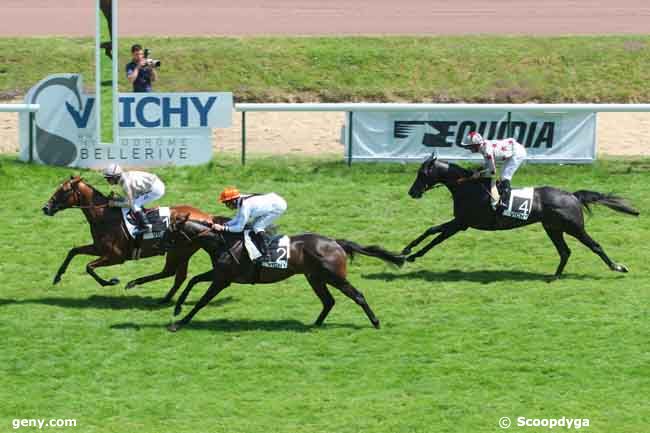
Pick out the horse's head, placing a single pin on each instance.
(184, 230)
(66, 196)
(431, 172)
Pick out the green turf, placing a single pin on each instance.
(470, 333)
(449, 68)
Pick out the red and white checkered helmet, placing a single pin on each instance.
(475, 139)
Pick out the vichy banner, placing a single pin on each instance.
(154, 129)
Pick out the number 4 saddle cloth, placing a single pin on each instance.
(521, 203)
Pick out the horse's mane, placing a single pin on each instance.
(455, 169)
(97, 193)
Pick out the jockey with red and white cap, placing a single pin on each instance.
(139, 188)
(257, 210)
(508, 150)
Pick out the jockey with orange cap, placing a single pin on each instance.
(257, 210)
(508, 150)
(139, 187)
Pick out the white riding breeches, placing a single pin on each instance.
(261, 223)
(511, 166)
(157, 191)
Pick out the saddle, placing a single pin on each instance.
(278, 251)
(158, 217)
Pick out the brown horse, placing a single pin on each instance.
(111, 242)
(322, 260)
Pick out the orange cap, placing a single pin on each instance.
(228, 194)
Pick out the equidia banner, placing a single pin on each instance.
(404, 136)
(154, 129)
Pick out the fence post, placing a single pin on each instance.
(243, 138)
(350, 117)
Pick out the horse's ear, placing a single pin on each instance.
(434, 155)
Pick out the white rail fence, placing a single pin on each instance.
(351, 108)
(24, 109)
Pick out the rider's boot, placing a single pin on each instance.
(262, 244)
(142, 222)
(504, 193)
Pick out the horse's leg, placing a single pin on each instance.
(320, 288)
(557, 236)
(351, 292)
(181, 274)
(448, 230)
(429, 232)
(206, 276)
(100, 262)
(582, 236)
(216, 287)
(168, 270)
(86, 249)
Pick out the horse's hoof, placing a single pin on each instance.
(553, 278)
(56, 280)
(114, 282)
(177, 310)
(376, 324)
(130, 285)
(410, 259)
(165, 301)
(173, 327)
(406, 251)
(622, 268)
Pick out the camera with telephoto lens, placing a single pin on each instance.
(151, 62)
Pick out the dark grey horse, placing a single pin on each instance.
(559, 211)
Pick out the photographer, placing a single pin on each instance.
(141, 72)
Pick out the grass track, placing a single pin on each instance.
(470, 333)
(449, 68)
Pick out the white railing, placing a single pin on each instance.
(351, 108)
(19, 108)
(24, 108)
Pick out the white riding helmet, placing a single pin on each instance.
(113, 170)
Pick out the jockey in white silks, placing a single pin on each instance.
(139, 189)
(255, 210)
(508, 150)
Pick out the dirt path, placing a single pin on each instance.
(296, 17)
(619, 134)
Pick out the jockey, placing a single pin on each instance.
(258, 210)
(508, 150)
(139, 187)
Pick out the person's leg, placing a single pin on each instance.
(157, 191)
(259, 232)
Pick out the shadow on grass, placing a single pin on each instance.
(240, 325)
(484, 277)
(107, 302)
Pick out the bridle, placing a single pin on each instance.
(77, 197)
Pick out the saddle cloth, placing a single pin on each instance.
(279, 249)
(521, 203)
(158, 218)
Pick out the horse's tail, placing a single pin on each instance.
(611, 201)
(373, 251)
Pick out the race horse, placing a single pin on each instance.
(322, 260)
(111, 242)
(559, 211)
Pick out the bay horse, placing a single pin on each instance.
(558, 211)
(322, 260)
(111, 242)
